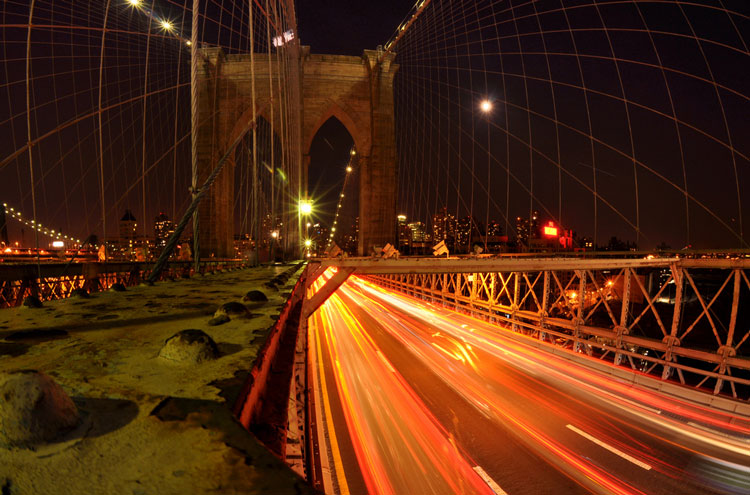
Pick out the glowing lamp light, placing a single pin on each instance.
(353, 152)
(308, 243)
(275, 234)
(305, 207)
(485, 106)
(134, 3)
(166, 25)
(610, 283)
(348, 169)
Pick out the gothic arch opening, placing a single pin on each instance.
(333, 171)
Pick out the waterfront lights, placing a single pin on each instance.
(485, 106)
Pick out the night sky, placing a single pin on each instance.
(344, 28)
(612, 118)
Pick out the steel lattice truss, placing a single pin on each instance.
(681, 320)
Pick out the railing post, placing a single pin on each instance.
(727, 349)
(578, 322)
(622, 328)
(671, 340)
(544, 313)
(516, 294)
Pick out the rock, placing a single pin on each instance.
(232, 308)
(32, 302)
(117, 287)
(255, 296)
(189, 346)
(218, 320)
(80, 293)
(33, 409)
(270, 285)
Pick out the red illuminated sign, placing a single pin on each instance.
(550, 230)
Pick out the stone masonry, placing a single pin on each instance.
(358, 91)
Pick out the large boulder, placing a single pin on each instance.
(33, 409)
(189, 346)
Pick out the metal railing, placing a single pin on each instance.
(680, 320)
(49, 281)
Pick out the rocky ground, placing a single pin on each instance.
(148, 424)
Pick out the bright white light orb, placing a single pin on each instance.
(485, 106)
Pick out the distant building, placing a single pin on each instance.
(128, 227)
(417, 232)
(3, 227)
(444, 227)
(468, 231)
(527, 229)
(163, 229)
(403, 231)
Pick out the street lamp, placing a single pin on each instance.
(305, 207)
(485, 106)
(348, 169)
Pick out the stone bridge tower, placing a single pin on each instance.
(358, 91)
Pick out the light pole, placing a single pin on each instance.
(486, 107)
(305, 210)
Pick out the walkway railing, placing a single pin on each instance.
(680, 320)
(58, 280)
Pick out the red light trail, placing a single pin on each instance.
(606, 435)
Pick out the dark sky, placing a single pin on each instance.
(341, 28)
(608, 114)
(347, 27)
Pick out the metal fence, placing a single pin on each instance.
(58, 280)
(683, 320)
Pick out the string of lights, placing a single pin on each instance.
(349, 170)
(38, 227)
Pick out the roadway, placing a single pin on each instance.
(415, 399)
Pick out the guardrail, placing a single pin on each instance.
(679, 320)
(58, 280)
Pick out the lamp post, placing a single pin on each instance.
(486, 107)
(305, 210)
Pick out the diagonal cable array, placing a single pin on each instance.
(95, 112)
(616, 119)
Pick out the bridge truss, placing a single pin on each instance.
(677, 320)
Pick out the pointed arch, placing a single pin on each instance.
(344, 115)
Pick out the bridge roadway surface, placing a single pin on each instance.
(417, 399)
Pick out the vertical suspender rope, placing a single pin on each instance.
(256, 217)
(101, 138)
(194, 130)
(272, 241)
(28, 135)
(143, 126)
